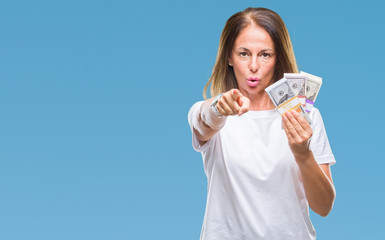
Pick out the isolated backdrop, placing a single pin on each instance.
(94, 95)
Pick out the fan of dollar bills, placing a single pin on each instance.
(295, 91)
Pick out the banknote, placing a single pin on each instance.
(284, 99)
(297, 82)
(313, 85)
(279, 92)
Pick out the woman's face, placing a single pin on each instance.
(253, 59)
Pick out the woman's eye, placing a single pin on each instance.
(265, 55)
(243, 54)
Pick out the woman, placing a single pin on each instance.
(262, 169)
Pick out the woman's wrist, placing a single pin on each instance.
(210, 118)
(214, 103)
(304, 156)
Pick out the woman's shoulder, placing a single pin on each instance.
(315, 113)
(316, 118)
(195, 106)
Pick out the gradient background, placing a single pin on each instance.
(94, 96)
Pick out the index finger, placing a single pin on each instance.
(241, 100)
(244, 102)
(235, 94)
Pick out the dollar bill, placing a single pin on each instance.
(313, 85)
(279, 92)
(297, 82)
(284, 98)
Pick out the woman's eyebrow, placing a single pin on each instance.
(243, 48)
(263, 50)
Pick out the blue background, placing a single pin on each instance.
(94, 95)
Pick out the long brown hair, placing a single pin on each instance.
(222, 78)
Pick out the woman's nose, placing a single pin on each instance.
(254, 66)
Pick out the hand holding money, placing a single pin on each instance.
(298, 133)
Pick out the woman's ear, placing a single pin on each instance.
(230, 62)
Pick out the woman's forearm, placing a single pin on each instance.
(318, 184)
(316, 178)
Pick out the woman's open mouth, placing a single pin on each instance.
(253, 81)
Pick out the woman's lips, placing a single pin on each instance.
(253, 81)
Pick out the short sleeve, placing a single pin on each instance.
(193, 121)
(319, 143)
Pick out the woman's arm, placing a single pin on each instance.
(208, 123)
(316, 177)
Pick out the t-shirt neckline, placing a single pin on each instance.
(262, 113)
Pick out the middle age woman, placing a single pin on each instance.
(262, 169)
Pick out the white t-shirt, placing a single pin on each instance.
(254, 187)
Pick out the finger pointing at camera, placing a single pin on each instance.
(243, 102)
(233, 103)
